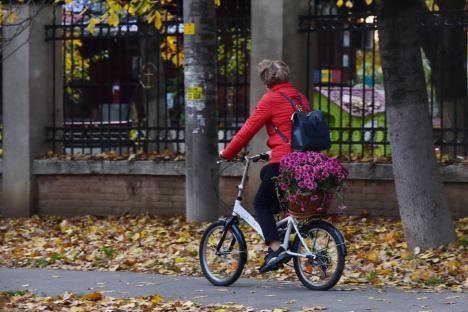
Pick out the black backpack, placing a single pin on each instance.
(310, 131)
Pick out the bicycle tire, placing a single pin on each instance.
(340, 249)
(234, 233)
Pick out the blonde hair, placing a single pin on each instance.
(272, 72)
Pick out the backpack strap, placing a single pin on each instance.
(296, 109)
(285, 139)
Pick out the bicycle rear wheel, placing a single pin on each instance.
(222, 266)
(325, 242)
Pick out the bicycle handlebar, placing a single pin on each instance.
(255, 158)
(263, 156)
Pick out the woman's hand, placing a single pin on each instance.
(221, 155)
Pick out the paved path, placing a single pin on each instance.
(253, 293)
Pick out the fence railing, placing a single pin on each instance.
(122, 86)
(345, 78)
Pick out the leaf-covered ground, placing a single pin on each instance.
(21, 301)
(377, 253)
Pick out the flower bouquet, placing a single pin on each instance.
(308, 181)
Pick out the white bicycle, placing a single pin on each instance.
(318, 248)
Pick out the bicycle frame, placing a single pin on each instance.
(290, 222)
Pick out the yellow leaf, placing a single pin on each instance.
(12, 17)
(385, 272)
(156, 299)
(373, 256)
(315, 308)
(157, 20)
(392, 236)
(369, 2)
(114, 6)
(404, 254)
(339, 3)
(131, 10)
(64, 226)
(113, 20)
(92, 24)
(426, 255)
(453, 266)
(182, 240)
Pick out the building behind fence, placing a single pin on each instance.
(123, 86)
(345, 80)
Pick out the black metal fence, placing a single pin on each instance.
(345, 77)
(122, 86)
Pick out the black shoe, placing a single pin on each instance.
(273, 260)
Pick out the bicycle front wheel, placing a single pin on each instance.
(322, 268)
(223, 254)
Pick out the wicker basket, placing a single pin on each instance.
(310, 209)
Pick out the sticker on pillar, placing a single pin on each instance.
(195, 93)
(189, 29)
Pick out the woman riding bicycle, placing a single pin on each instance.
(273, 110)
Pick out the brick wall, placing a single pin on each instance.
(165, 195)
(377, 198)
(1, 189)
(117, 194)
(110, 187)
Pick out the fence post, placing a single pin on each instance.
(274, 28)
(27, 105)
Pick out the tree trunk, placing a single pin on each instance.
(200, 110)
(424, 211)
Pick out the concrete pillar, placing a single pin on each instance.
(27, 105)
(275, 35)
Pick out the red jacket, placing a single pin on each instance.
(272, 108)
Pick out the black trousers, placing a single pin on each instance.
(266, 203)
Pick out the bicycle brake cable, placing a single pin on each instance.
(225, 206)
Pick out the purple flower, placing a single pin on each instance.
(304, 172)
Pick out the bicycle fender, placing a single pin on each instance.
(233, 223)
(236, 229)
